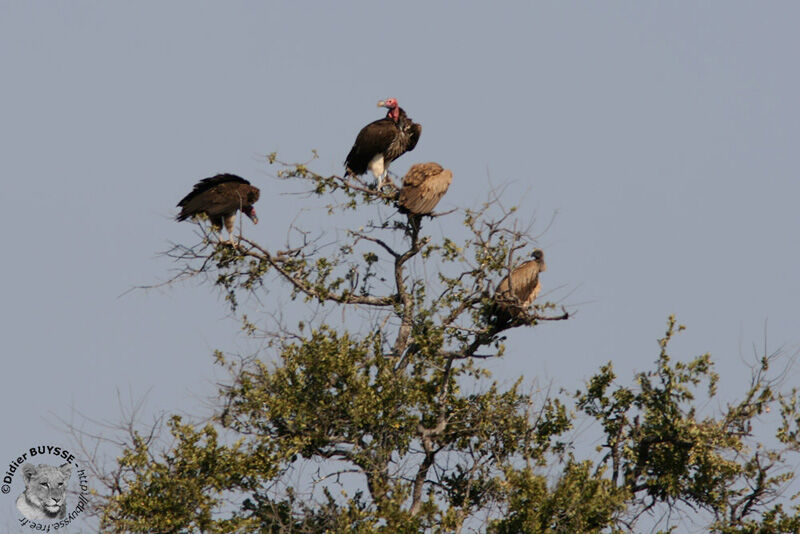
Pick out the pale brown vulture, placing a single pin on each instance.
(423, 186)
(518, 291)
(382, 141)
(219, 198)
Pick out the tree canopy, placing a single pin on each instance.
(375, 412)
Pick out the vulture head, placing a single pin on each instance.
(391, 105)
(538, 256)
(250, 211)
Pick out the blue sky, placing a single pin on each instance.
(662, 139)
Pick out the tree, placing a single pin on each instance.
(393, 407)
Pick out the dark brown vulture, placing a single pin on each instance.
(518, 291)
(219, 198)
(423, 186)
(382, 141)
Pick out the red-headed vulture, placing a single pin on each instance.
(382, 141)
(219, 198)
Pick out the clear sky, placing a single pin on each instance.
(663, 138)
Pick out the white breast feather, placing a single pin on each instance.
(376, 165)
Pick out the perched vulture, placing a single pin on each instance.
(518, 291)
(382, 141)
(219, 198)
(423, 186)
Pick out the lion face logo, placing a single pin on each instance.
(45, 491)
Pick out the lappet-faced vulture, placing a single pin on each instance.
(423, 186)
(517, 291)
(382, 141)
(219, 198)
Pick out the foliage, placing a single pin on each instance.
(391, 423)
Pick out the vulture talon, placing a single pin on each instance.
(383, 184)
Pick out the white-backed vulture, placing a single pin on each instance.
(423, 186)
(516, 292)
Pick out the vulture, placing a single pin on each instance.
(381, 142)
(423, 186)
(219, 198)
(518, 290)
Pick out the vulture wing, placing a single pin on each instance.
(414, 130)
(408, 133)
(374, 138)
(423, 187)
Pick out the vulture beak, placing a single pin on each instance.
(382, 103)
(252, 215)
